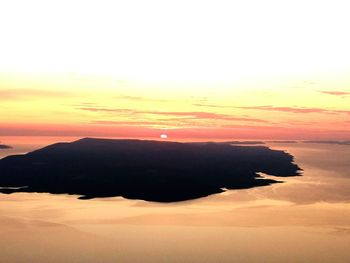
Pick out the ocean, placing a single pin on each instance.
(303, 219)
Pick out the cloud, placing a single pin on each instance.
(195, 115)
(342, 111)
(296, 109)
(336, 93)
(210, 105)
(127, 123)
(287, 109)
(283, 141)
(282, 109)
(21, 94)
(346, 142)
(137, 98)
(96, 109)
(208, 115)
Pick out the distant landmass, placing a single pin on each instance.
(246, 142)
(3, 146)
(140, 169)
(233, 142)
(330, 142)
(283, 141)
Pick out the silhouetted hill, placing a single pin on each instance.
(140, 169)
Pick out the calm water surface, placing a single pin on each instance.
(304, 219)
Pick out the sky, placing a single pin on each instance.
(189, 69)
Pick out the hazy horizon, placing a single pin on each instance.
(267, 81)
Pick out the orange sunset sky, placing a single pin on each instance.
(191, 69)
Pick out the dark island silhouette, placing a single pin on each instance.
(140, 169)
(3, 146)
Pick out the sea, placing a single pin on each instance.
(304, 219)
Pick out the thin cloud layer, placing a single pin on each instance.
(275, 108)
(20, 94)
(331, 142)
(336, 93)
(188, 115)
(139, 98)
(295, 109)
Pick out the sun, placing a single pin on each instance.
(164, 136)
